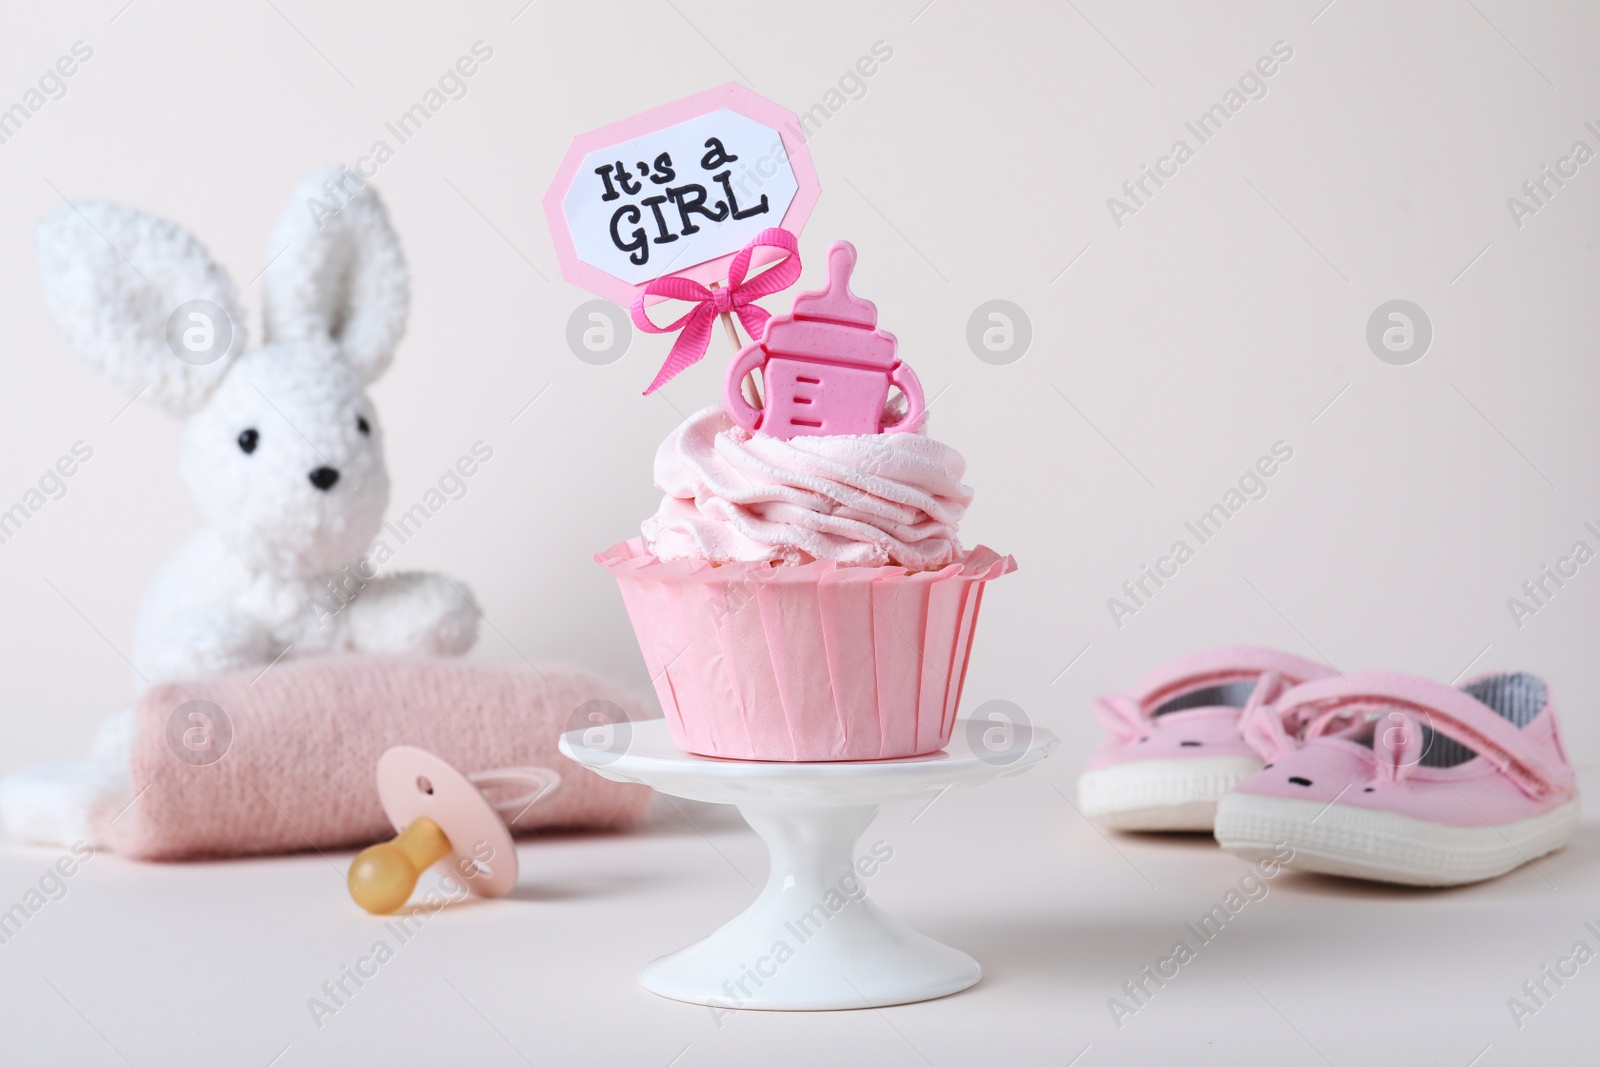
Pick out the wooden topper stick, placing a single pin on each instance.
(751, 394)
(727, 324)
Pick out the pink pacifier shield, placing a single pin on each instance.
(826, 368)
(414, 783)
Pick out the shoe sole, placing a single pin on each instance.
(1161, 794)
(1381, 846)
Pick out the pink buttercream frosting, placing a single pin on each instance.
(869, 500)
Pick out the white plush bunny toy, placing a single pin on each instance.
(282, 450)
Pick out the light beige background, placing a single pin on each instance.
(1168, 354)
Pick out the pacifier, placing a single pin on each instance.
(825, 367)
(442, 814)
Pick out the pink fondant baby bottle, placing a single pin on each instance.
(825, 367)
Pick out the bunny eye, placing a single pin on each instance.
(247, 441)
(361, 424)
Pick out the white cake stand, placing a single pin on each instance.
(810, 941)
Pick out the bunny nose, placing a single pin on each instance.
(323, 478)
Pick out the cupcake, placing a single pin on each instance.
(801, 594)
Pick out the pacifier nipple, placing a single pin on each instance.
(382, 877)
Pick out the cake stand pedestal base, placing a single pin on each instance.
(812, 940)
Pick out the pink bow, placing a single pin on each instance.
(737, 296)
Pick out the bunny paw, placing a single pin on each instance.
(414, 613)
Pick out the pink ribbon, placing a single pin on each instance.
(737, 296)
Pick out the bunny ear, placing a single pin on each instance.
(338, 272)
(141, 300)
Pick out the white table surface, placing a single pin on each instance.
(215, 963)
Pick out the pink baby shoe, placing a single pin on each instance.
(1175, 747)
(1400, 779)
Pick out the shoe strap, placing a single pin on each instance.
(1218, 666)
(1327, 706)
(1127, 716)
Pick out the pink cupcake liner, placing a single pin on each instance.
(804, 663)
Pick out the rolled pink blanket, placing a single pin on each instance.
(297, 772)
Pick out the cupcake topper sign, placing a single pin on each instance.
(825, 367)
(677, 192)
